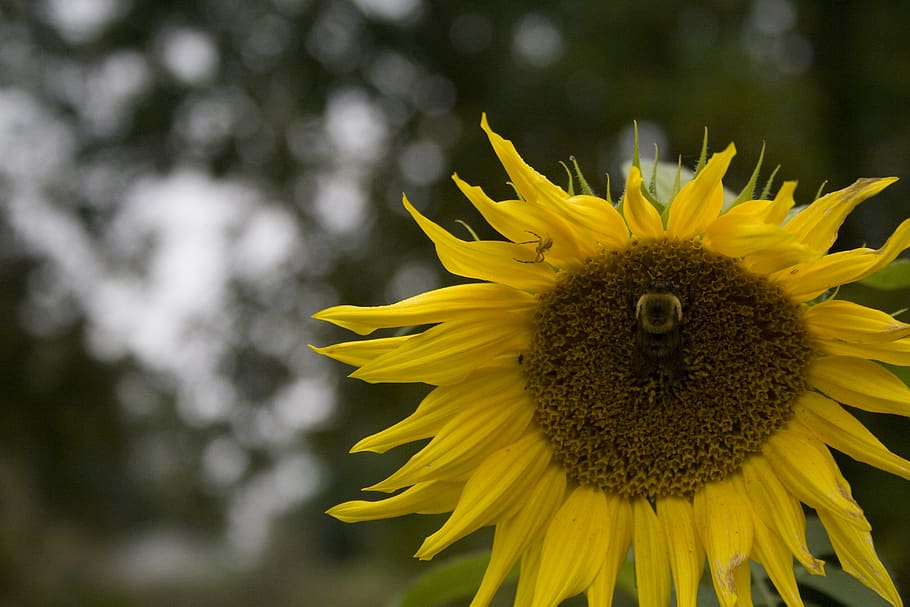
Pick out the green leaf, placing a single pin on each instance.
(839, 588)
(896, 275)
(456, 578)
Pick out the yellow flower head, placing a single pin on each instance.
(624, 377)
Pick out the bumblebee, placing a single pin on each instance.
(658, 317)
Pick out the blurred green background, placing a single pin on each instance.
(183, 183)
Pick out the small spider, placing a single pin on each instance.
(544, 244)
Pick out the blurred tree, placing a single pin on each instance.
(184, 183)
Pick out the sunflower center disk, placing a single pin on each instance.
(660, 367)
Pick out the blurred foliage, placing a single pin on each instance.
(327, 110)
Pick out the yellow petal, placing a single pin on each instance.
(357, 353)
(652, 566)
(809, 279)
(817, 224)
(462, 444)
(619, 517)
(787, 252)
(768, 262)
(840, 320)
(537, 226)
(432, 497)
(755, 209)
(687, 556)
(742, 577)
(807, 469)
(527, 576)
(768, 211)
(530, 184)
(894, 246)
(699, 202)
(469, 301)
(484, 260)
(893, 352)
(573, 547)
(724, 521)
(514, 535)
(479, 392)
(599, 220)
(856, 553)
(860, 383)
(832, 424)
(782, 203)
(447, 353)
(736, 235)
(503, 479)
(779, 510)
(777, 561)
(640, 215)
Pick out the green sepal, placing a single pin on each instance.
(652, 183)
(650, 197)
(636, 162)
(648, 190)
(669, 180)
(465, 225)
(585, 188)
(703, 156)
(665, 182)
(456, 578)
(895, 275)
(677, 185)
(570, 185)
(518, 195)
(766, 191)
(748, 192)
(636, 159)
(821, 189)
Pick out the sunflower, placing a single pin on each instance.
(666, 377)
